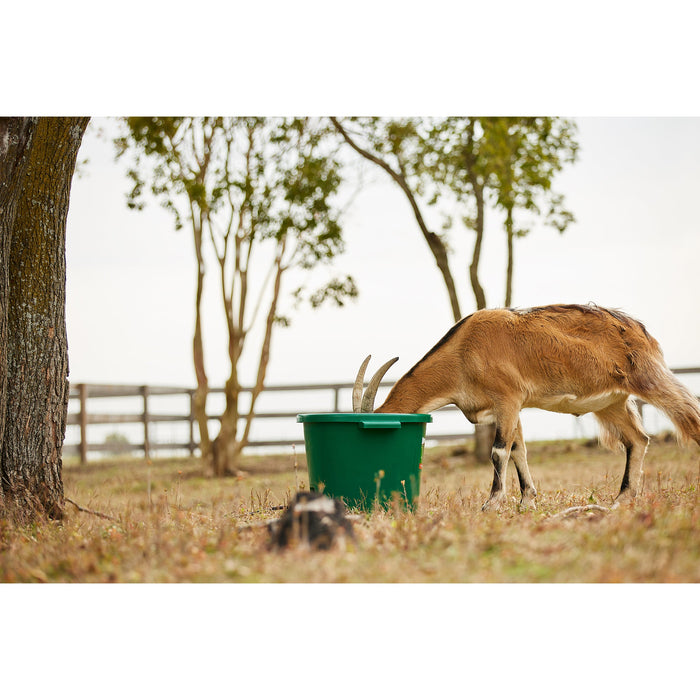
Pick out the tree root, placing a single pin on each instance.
(91, 512)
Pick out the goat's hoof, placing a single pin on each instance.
(494, 504)
(527, 501)
(526, 505)
(626, 498)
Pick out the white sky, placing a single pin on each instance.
(635, 246)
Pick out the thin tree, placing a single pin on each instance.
(37, 161)
(526, 155)
(458, 153)
(259, 194)
(395, 146)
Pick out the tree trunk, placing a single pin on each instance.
(36, 392)
(509, 268)
(478, 290)
(483, 435)
(16, 135)
(199, 400)
(227, 447)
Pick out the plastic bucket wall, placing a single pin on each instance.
(365, 458)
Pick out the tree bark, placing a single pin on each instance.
(36, 349)
(16, 136)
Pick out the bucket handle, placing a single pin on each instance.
(380, 424)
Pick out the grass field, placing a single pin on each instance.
(171, 523)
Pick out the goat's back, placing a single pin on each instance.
(581, 349)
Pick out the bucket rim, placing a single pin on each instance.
(363, 417)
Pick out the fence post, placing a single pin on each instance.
(82, 393)
(336, 402)
(146, 441)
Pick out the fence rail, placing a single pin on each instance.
(84, 417)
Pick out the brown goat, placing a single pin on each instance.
(563, 358)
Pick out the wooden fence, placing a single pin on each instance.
(146, 417)
(85, 417)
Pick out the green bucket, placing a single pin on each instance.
(365, 458)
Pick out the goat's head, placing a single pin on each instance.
(365, 403)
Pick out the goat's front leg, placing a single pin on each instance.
(500, 454)
(518, 454)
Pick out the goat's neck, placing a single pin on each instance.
(419, 391)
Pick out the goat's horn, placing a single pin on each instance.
(357, 389)
(368, 398)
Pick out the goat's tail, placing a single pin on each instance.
(666, 393)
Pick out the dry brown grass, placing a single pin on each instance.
(173, 524)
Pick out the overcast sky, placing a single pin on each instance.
(635, 246)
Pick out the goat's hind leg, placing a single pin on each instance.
(621, 423)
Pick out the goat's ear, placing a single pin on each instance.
(368, 399)
(357, 389)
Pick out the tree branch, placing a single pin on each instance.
(437, 247)
(265, 350)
